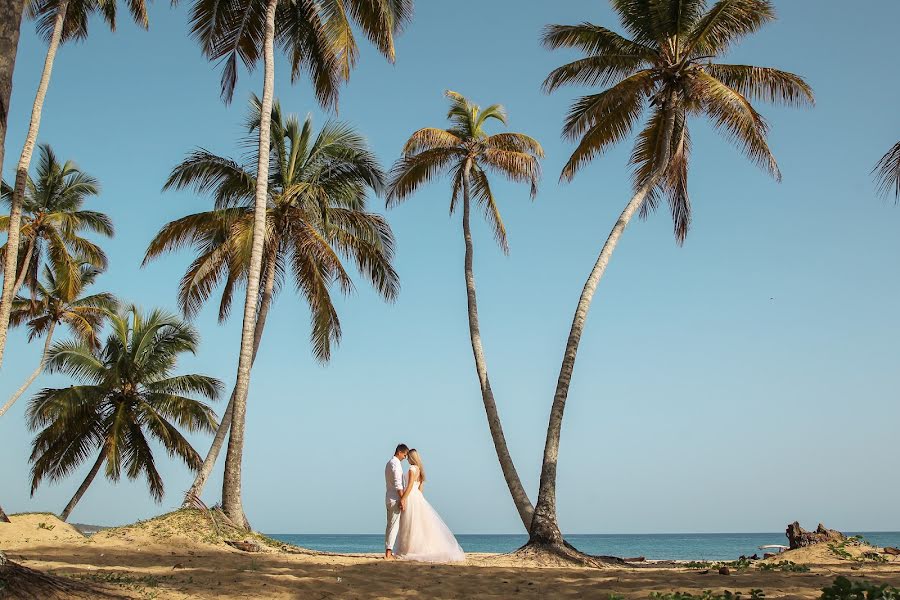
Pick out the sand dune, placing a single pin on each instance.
(181, 556)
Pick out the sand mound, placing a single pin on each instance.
(186, 527)
(835, 553)
(30, 529)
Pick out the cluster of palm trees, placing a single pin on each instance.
(298, 210)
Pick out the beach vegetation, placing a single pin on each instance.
(127, 391)
(318, 222)
(843, 588)
(469, 155)
(319, 40)
(667, 67)
(57, 22)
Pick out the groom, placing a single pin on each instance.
(393, 479)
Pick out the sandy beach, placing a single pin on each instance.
(181, 556)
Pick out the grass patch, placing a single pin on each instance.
(784, 565)
(755, 594)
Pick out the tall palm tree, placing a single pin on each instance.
(468, 153)
(58, 21)
(887, 173)
(54, 303)
(317, 36)
(9, 44)
(666, 68)
(316, 214)
(127, 392)
(53, 220)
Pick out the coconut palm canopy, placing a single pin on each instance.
(54, 221)
(667, 66)
(125, 391)
(317, 219)
(317, 36)
(52, 303)
(465, 147)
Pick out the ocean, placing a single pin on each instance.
(674, 546)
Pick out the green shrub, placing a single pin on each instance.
(844, 589)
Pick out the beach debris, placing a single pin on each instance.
(892, 551)
(723, 570)
(801, 538)
(178, 566)
(244, 545)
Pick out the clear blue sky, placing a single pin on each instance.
(741, 382)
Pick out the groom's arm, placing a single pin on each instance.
(398, 480)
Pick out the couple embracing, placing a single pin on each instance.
(413, 526)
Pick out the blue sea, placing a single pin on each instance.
(673, 546)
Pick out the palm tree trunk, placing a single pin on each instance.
(15, 212)
(9, 44)
(219, 439)
(544, 526)
(24, 273)
(231, 484)
(3, 517)
(84, 486)
(520, 498)
(34, 374)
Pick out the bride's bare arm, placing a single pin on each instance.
(410, 482)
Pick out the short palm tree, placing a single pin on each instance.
(53, 221)
(317, 36)
(128, 391)
(316, 215)
(666, 67)
(53, 303)
(887, 173)
(58, 21)
(468, 153)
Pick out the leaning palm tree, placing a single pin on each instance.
(54, 302)
(887, 173)
(667, 67)
(468, 153)
(127, 392)
(58, 21)
(317, 36)
(316, 215)
(53, 220)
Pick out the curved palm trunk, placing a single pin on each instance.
(21, 279)
(544, 526)
(15, 212)
(84, 486)
(520, 498)
(9, 44)
(34, 375)
(219, 439)
(231, 485)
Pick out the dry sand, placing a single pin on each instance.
(181, 555)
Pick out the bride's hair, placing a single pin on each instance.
(414, 459)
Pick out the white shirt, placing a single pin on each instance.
(393, 479)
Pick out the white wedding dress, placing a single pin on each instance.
(423, 535)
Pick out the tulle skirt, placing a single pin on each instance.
(423, 534)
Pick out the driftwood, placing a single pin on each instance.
(801, 538)
(892, 551)
(246, 546)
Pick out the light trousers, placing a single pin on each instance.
(393, 524)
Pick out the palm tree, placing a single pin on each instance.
(52, 221)
(53, 304)
(887, 173)
(318, 37)
(667, 68)
(467, 152)
(58, 21)
(127, 392)
(316, 214)
(9, 43)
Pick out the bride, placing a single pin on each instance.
(423, 535)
